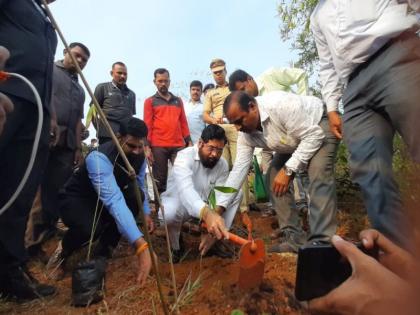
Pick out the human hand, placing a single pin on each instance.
(335, 124)
(207, 241)
(149, 223)
(281, 183)
(391, 256)
(148, 153)
(4, 55)
(217, 120)
(215, 224)
(371, 289)
(144, 262)
(78, 157)
(6, 105)
(54, 133)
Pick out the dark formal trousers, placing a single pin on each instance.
(382, 97)
(16, 144)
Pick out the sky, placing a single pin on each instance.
(182, 36)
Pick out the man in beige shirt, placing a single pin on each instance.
(213, 114)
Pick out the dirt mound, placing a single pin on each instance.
(208, 285)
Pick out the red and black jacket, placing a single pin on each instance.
(166, 121)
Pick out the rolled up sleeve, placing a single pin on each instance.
(240, 169)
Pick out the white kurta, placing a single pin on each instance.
(188, 188)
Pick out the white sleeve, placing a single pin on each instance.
(183, 173)
(244, 153)
(331, 85)
(301, 127)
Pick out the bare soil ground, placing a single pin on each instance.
(211, 282)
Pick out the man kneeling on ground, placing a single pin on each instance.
(196, 171)
(102, 182)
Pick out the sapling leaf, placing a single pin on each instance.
(212, 199)
(226, 190)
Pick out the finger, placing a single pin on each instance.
(6, 103)
(337, 133)
(275, 189)
(4, 55)
(349, 251)
(225, 233)
(217, 232)
(320, 305)
(372, 237)
(141, 279)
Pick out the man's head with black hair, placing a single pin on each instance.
(208, 87)
(241, 109)
(196, 89)
(119, 73)
(80, 52)
(240, 80)
(162, 81)
(211, 145)
(132, 137)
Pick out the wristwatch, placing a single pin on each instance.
(288, 171)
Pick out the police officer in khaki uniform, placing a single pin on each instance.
(213, 114)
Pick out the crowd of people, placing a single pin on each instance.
(369, 64)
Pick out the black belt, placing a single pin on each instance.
(401, 37)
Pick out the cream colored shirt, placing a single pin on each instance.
(292, 80)
(348, 32)
(290, 124)
(213, 103)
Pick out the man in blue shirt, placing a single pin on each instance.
(102, 186)
(194, 111)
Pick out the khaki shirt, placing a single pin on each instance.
(215, 99)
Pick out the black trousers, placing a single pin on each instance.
(58, 171)
(43, 220)
(78, 214)
(161, 156)
(16, 143)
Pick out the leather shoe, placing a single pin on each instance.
(20, 284)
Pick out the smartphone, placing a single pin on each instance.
(320, 269)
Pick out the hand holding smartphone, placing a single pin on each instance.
(321, 268)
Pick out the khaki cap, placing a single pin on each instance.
(217, 65)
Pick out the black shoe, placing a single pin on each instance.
(20, 284)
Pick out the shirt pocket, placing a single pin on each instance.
(359, 12)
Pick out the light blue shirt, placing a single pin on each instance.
(194, 113)
(101, 174)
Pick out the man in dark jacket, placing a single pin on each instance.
(67, 100)
(116, 100)
(28, 34)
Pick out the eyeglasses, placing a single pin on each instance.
(214, 149)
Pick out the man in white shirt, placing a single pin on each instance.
(296, 128)
(195, 172)
(369, 50)
(194, 111)
(277, 79)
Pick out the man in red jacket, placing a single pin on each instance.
(168, 128)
